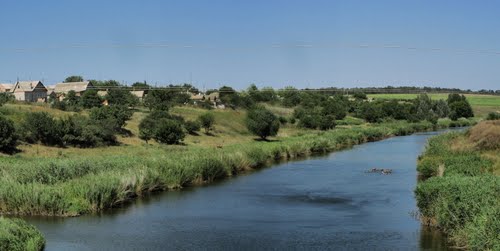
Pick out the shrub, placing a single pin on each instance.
(42, 127)
(262, 122)
(116, 116)
(283, 120)
(90, 99)
(192, 126)
(17, 235)
(493, 116)
(168, 131)
(207, 121)
(5, 97)
(8, 136)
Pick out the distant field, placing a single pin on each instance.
(481, 104)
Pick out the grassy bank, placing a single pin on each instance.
(461, 194)
(69, 186)
(17, 235)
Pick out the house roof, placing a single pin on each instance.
(28, 86)
(198, 96)
(6, 86)
(72, 86)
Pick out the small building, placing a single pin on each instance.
(61, 89)
(30, 91)
(214, 96)
(139, 94)
(5, 87)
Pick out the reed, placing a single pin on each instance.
(17, 235)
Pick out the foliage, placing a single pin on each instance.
(17, 235)
(168, 131)
(73, 79)
(5, 97)
(192, 126)
(141, 85)
(493, 116)
(90, 99)
(262, 122)
(8, 135)
(359, 95)
(290, 96)
(116, 116)
(121, 97)
(207, 121)
(461, 197)
(41, 127)
(164, 99)
(459, 107)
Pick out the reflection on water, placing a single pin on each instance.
(325, 203)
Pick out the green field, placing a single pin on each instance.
(481, 104)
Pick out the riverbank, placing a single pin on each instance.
(460, 194)
(88, 184)
(17, 235)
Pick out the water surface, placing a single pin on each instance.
(322, 203)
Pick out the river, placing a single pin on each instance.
(320, 203)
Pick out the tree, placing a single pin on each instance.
(169, 131)
(8, 136)
(207, 121)
(5, 97)
(371, 112)
(262, 122)
(115, 116)
(73, 79)
(164, 99)
(141, 85)
(359, 95)
(192, 126)
(42, 127)
(291, 96)
(441, 108)
(71, 99)
(90, 99)
(121, 97)
(454, 97)
(147, 128)
(461, 109)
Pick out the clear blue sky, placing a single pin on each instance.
(268, 42)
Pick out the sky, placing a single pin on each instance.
(278, 43)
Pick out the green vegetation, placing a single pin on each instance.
(482, 104)
(460, 195)
(17, 235)
(262, 122)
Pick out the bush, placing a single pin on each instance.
(17, 235)
(90, 99)
(116, 116)
(493, 116)
(168, 131)
(5, 97)
(42, 127)
(207, 121)
(8, 136)
(262, 122)
(283, 120)
(192, 126)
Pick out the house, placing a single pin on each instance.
(61, 89)
(139, 94)
(30, 91)
(197, 97)
(4, 87)
(214, 96)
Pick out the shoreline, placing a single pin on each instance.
(114, 186)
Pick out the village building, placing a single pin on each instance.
(5, 87)
(62, 89)
(140, 94)
(197, 97)
(30, 91)
(214, 96)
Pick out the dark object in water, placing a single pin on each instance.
(380, 170)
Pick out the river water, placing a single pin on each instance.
(321, 203)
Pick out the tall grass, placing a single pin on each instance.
(17, 235)
(464, 199)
